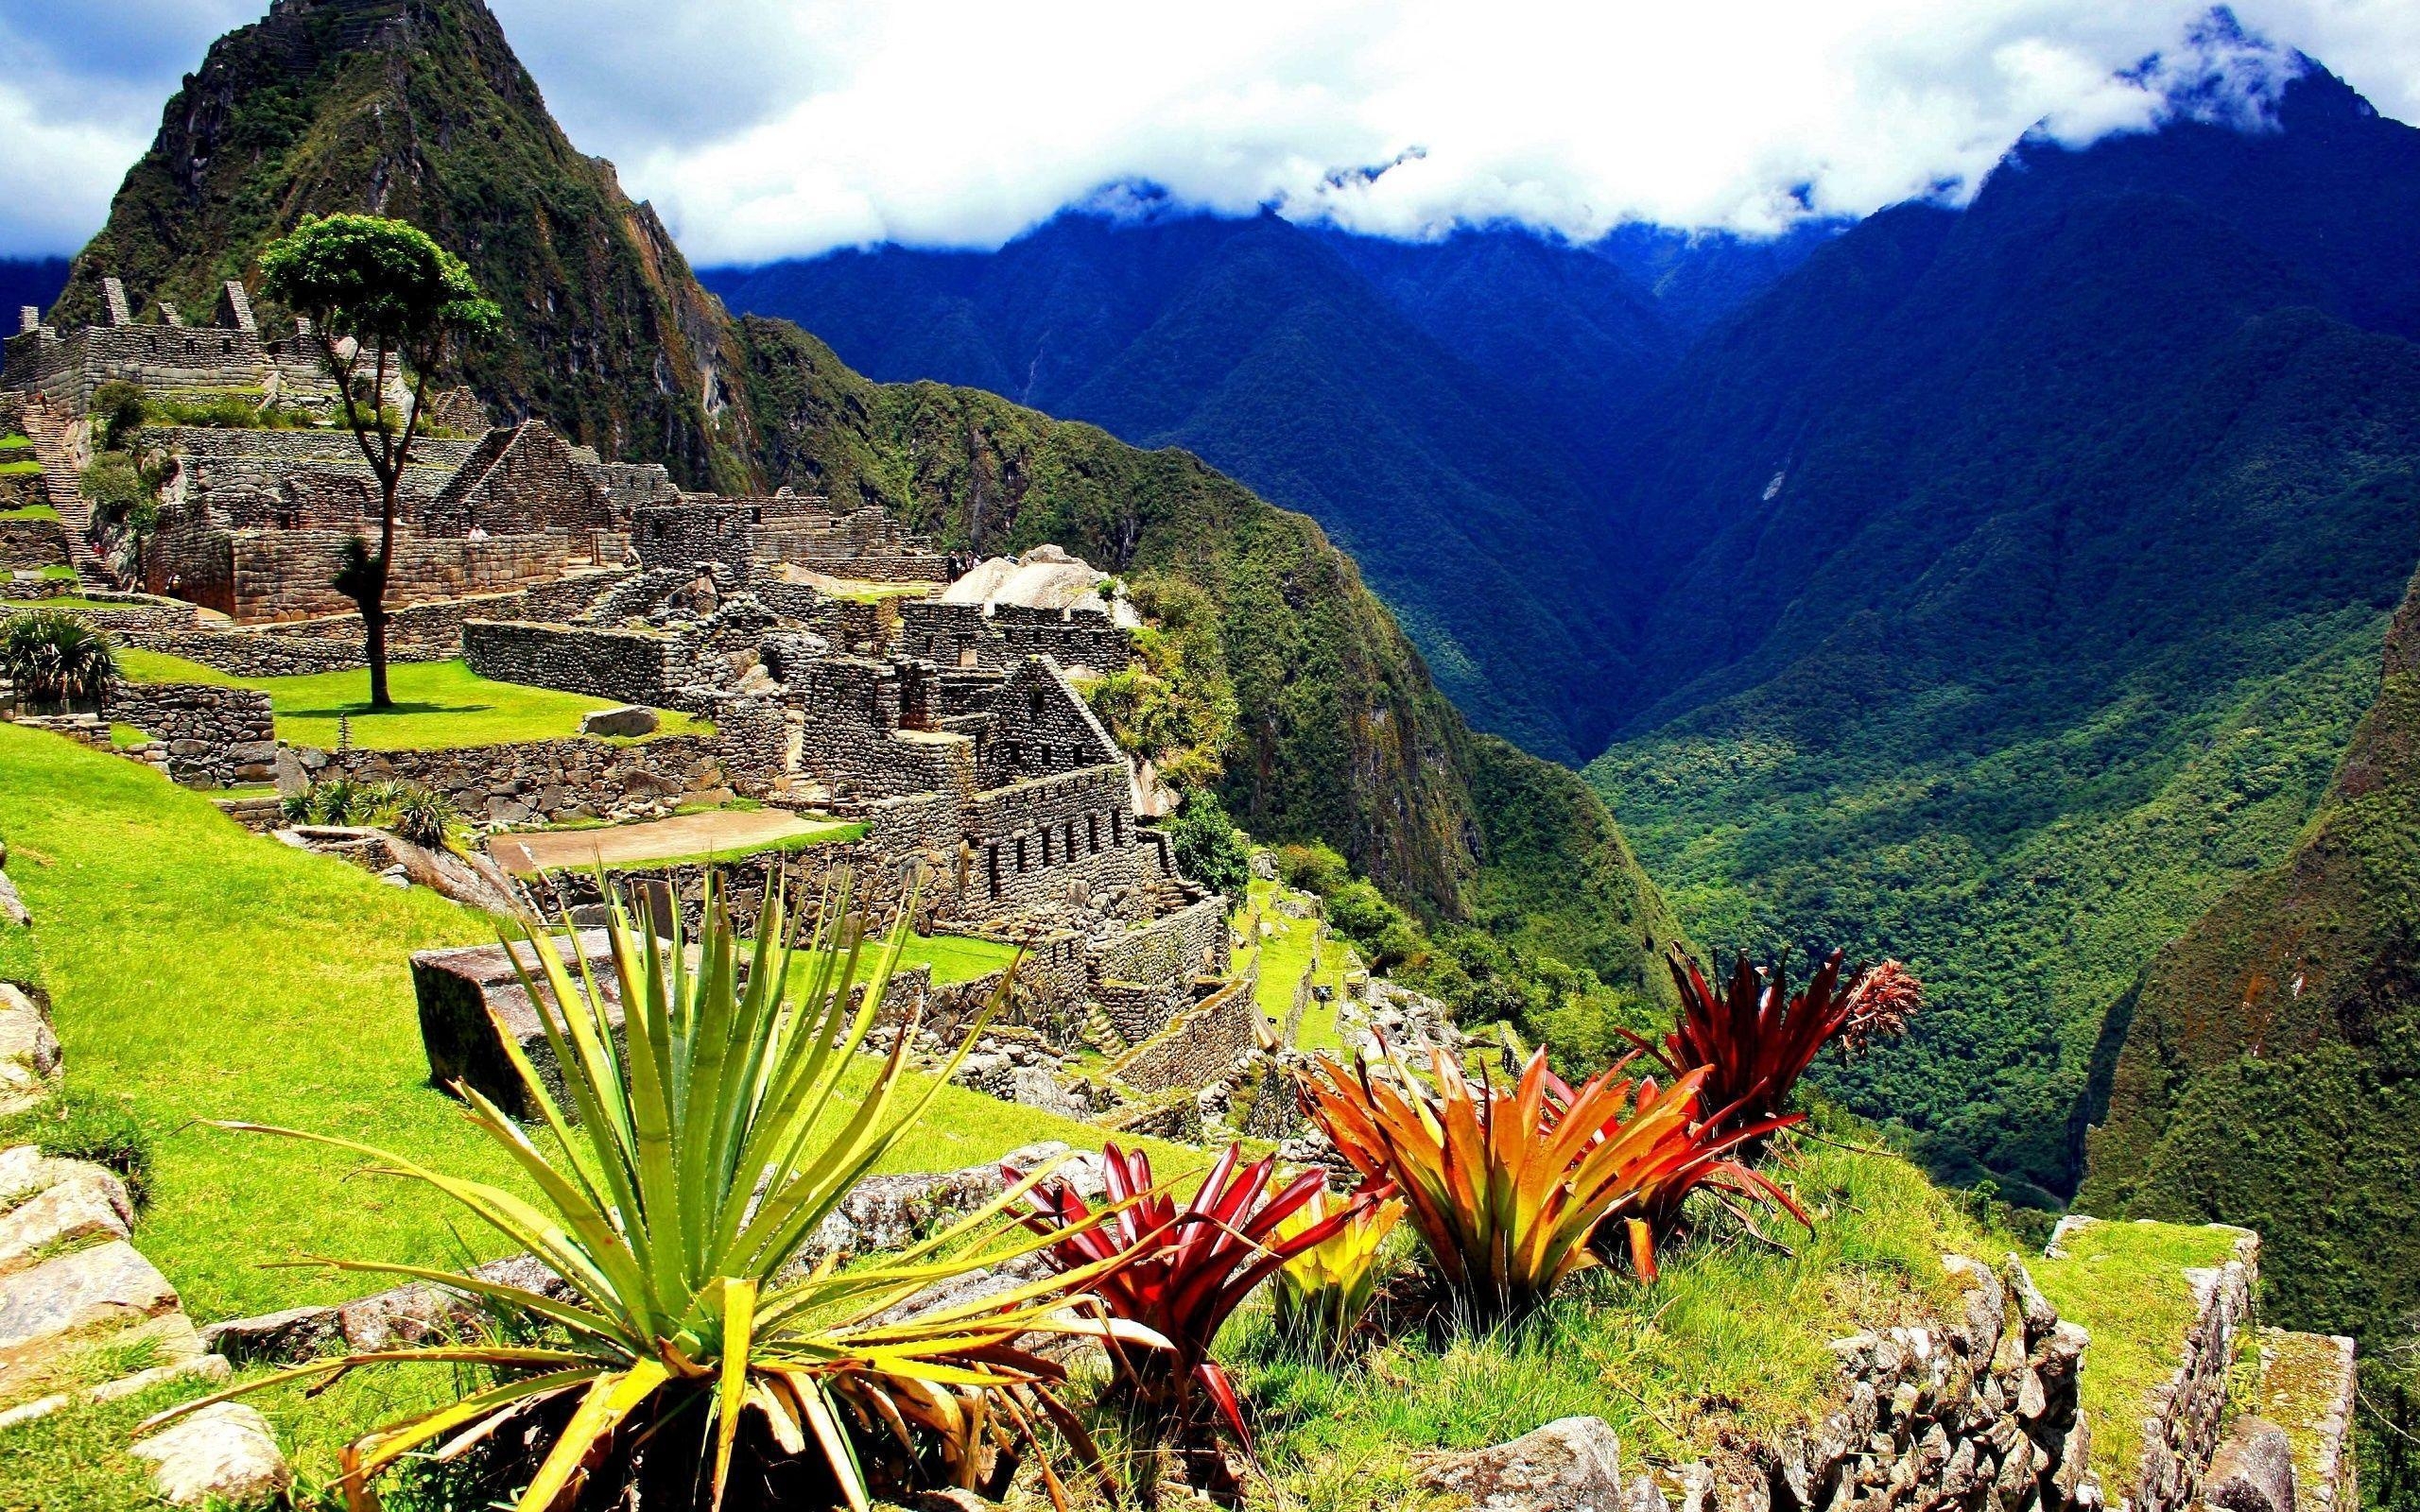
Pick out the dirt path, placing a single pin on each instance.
(683, 835)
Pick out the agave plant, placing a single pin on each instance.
(52, 657)
(1181, 1272)
(707, 1148)
(1324, 1292)
(1755, 1040)
(1505, 1189)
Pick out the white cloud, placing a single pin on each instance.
(770, 128)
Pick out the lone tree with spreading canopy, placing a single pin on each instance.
(376, 292)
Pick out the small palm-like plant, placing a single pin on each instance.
(708, 1149)
(1324, 1292)
(1754, 1040)
(52, 657)
(1505, 1189)
(1181, 1271)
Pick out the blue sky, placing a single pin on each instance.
(772, 128)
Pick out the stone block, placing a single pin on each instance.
(1570, 1465)
(458, 991)
(627, 720)
(221, 1455)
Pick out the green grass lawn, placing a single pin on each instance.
(2124, 1283)
(30, 512)
(64, 601)
(1285, 951)
(437, 704)
(19, 468)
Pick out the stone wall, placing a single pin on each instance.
(168, 361)
(436, 627)
(1978, 1413)
(549, 781)
(129, 617)
(215, 737)
(1039, 728)
(257, 654)
(27, 546)
(866, 730)
(2181, 1420)
(628, 667)
(1036, 844)
(1197, 1047)
(997, 637)
(518, 479)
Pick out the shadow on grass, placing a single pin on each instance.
(362, 709)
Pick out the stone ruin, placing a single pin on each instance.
(849, 666)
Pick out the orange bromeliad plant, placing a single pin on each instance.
(1506, 1188)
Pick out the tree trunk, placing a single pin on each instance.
(374, 624)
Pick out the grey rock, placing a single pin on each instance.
(106, 1286)
(223, 1453)
(627, 720)
(88, 1203)
(1570, 1465)
(294, 1334)
(2253, 1471)
(12, 908)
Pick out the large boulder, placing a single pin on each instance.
(2253, 1471)
(627, 719)
(1571, 1465)
(222, 1455)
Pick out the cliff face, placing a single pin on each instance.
(418, 109)
(2268, 1069)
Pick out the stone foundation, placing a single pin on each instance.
(214, 737)
(541, 781)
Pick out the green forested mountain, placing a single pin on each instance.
(2009, 580)
(418, 108)
(2266, 1067)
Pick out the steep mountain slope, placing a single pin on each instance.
(383, 104)
(2269, 1070)
(2009, 580)
(419, 110)
(1419, 402)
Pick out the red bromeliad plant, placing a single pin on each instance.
(1754, 1040)
(1185, 1269)
(1506, 1189)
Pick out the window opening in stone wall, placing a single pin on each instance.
(992, 865)
(1117, 829)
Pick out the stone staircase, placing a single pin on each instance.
(1103, 1035)
(56, 449)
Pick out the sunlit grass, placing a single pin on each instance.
(437, 704)
(2124, 1283)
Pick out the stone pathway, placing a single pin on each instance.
(83, 1316)
(84, 1319)
(683, 835)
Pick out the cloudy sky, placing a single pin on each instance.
(772, 128)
